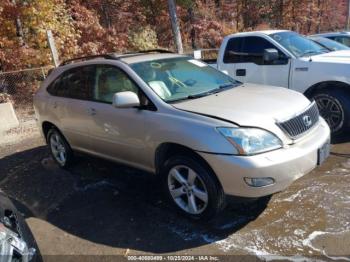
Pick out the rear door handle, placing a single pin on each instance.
(241, 72)
(92, 111)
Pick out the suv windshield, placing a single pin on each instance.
(182, 78)
(330, 44)
(298, 45)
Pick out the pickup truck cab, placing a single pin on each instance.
(287, 59)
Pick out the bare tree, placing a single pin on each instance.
(175, 26)
(19, 28)
(347, 26)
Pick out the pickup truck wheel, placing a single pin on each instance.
(334, 107)
(192, 188)
(59, 148)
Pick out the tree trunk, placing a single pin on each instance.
(320, 14)
(347, 26)
(19, 28)
(193, 31)
(280, 15)
(106, 19)
(175, 26)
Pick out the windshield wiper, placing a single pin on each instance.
(207, 93)
(224, 86)
(213, 91)
(310, 53)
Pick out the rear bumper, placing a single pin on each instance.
(284, 165)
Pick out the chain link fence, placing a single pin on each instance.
(18, 88)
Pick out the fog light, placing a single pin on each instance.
(259, 182)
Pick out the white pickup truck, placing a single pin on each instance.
(287, 59)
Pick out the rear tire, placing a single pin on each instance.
(60, 150)
(191, 187)
(334, 107)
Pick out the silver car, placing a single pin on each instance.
(202, 133)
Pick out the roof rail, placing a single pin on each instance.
(82, 58)
(115, 56)
(156, 50)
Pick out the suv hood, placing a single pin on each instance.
(250, 105)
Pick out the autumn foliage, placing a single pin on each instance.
(100, 26)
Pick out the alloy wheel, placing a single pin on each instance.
(187, 189)
(58, 149)
(331, 110)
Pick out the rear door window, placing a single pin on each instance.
(79, 82)
(75, 83)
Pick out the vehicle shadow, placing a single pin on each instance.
(341, 139)
(111, 204)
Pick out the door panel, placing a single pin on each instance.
(75, 122)
(70, 94)
(244, 61)
(276, 75)
(116, 133)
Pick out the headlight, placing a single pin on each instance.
(250, 141)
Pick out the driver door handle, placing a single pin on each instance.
(241, 72)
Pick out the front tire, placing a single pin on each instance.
(60, 149)
(334, 107)
(192, 188)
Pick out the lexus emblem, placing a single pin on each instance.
(307, 121)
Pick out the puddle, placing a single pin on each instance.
(308, 221)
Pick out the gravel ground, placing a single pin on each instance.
(100, 208)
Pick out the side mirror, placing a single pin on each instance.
(270, 55)
(125, 100)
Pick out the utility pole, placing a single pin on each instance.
(348, 17)
(175, 26)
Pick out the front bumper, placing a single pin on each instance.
(284, 165)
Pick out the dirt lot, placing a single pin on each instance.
(100, 208)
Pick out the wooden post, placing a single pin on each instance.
(175, 26)
(52, 45)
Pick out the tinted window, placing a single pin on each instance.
(75, 83)
(343, 39)
(250, 50)
(232, 51)
(111, 80)
(253, 49)
(79, 82)
(56, 88)
(330, 44)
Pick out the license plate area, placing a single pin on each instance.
(323, 152)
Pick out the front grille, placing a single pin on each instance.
(300, 124)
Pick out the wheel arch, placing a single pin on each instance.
(165, 150)
(47, 126)
(324, 85)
